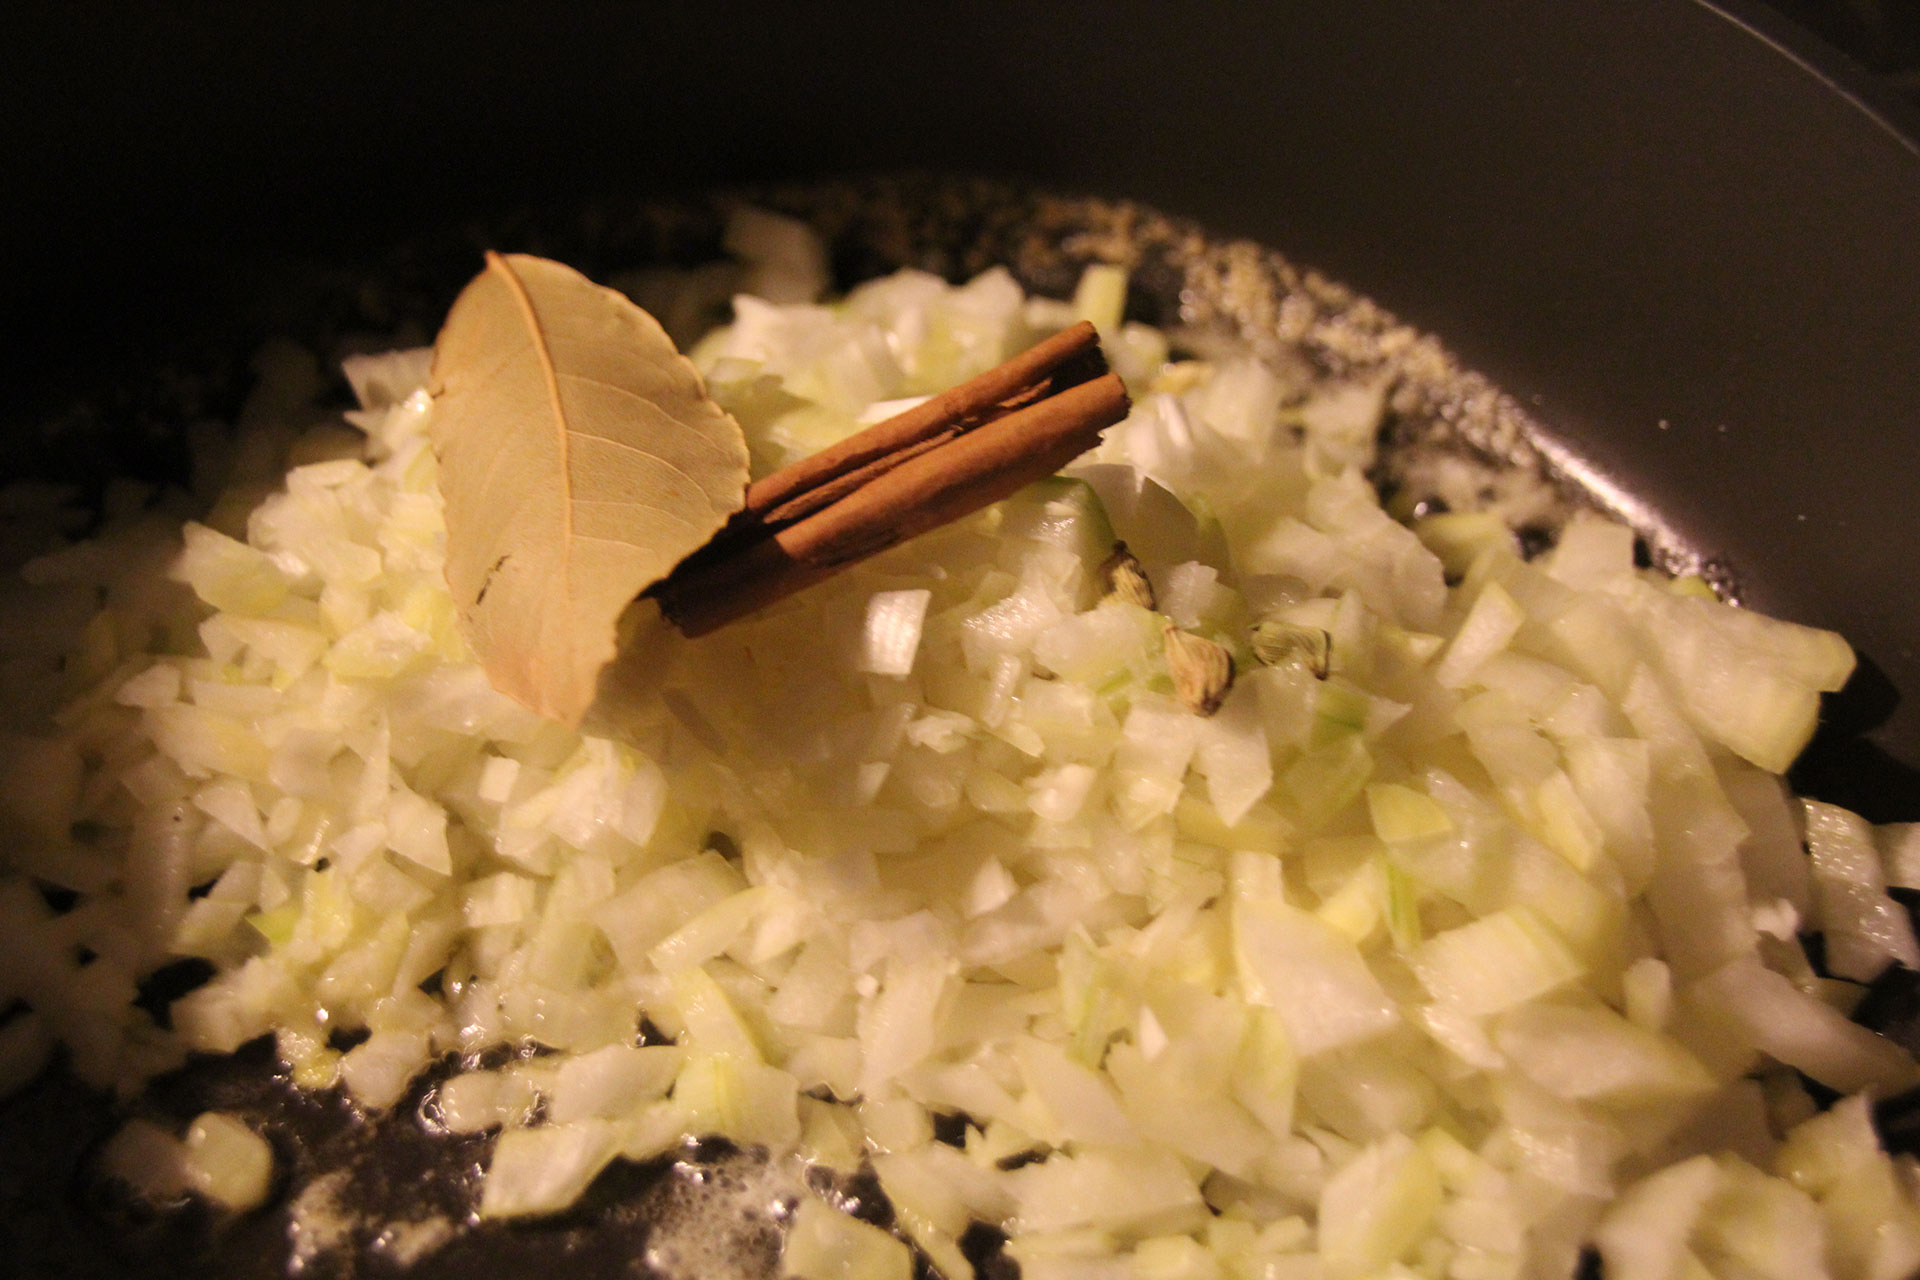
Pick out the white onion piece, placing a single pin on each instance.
(1311, 976)
(545, 1169)
(892, 635)
(1770, 1014)
(228, 1162)
(1865, 929)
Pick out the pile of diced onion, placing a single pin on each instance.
(1465, 935)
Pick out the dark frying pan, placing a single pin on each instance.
(1689, 245)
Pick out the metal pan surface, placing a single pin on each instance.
(1689, 252)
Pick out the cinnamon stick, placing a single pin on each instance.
(1068, 357)
(962, 450)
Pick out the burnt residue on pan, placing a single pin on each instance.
(391, 1194)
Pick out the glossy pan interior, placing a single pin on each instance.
(1692, 253)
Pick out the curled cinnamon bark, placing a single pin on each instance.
(946, 458)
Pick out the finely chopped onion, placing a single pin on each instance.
(1462, 937)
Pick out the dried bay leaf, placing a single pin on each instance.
(580, 459)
